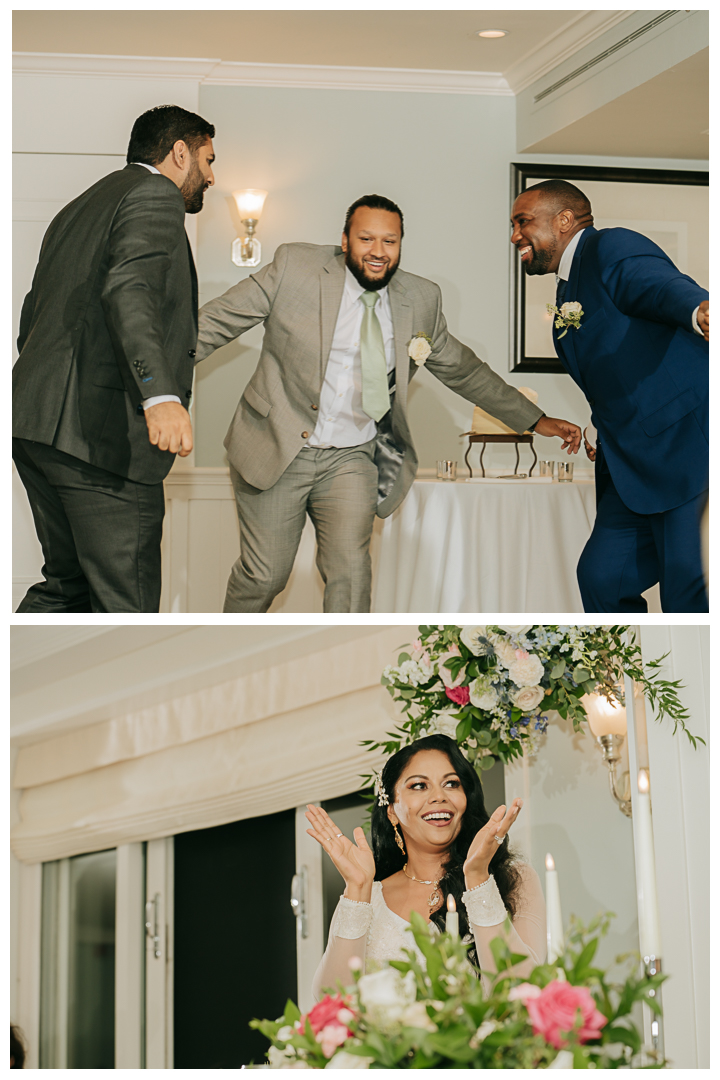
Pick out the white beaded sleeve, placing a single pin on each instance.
(353, 918)
(484, 904)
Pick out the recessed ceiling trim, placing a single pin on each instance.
(30, 649)
(610, 51)
(559, 47)
(230, 73)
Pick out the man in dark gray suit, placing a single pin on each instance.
(102, 385)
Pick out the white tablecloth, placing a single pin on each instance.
(466, 547)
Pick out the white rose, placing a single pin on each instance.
(528, 697)
(516, 631)
(503, 649)
(419, 349)
(443, 723)
(343, 1060)
(572, 308)
(526, 669)
(470, 635)
(385, 994)
(416, 1015)
(483, 696)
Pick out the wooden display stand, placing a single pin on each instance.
(485, 439)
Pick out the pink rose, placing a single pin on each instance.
(524, 992)
(444, 672)
(555, 1010)
(331, 1037)
(458, 694)
(325, 1012)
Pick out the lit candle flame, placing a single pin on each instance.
(643, 782)
(451, 906)
(549, 862)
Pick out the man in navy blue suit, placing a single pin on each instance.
(640, 356)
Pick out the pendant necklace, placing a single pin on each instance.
(436, 896)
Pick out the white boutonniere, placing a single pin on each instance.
(569, 314)
(420, 348)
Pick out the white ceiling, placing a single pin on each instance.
(433, 40)
(65, 677)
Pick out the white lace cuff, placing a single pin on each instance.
(484, 904)
(353, 918)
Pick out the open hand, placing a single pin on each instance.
(703, 319)
(484, 846)
(169, 427)
(354, 861)
(563, 429)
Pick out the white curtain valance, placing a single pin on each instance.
(256, 745)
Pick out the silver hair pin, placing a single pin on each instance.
(381, 793)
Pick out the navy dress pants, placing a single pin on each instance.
(628, 553)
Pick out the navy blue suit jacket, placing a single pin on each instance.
(641, 367)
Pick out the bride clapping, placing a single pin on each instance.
(431, 836)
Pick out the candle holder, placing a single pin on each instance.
(610, 746)
(653, 966)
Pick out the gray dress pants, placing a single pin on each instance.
(337, 488)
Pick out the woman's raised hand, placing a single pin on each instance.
(484, 846)
(354, 861)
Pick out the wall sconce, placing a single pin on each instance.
(246, 249)
(608, 723)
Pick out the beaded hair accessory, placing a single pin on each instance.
(381, 793)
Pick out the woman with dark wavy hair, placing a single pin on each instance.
(431, 837)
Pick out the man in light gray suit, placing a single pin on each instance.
(321, 428)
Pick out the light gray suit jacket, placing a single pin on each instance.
(298, 297)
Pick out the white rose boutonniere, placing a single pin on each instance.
(420, 348)
(568, 315)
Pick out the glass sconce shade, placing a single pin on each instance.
(250, 202)
(604, 717)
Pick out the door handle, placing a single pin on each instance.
(298, 895)
(152, 929)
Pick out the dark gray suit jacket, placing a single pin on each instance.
(110, 321)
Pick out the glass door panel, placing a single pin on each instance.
(77, 980)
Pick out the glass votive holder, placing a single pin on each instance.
(565, 472)
(446, 470)
(547, 468)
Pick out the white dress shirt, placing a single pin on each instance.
(161, 397)
(341, 420)
(563, 273)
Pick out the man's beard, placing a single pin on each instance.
(369, 284)
(193, 189)
(541, 259)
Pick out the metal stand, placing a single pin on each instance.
(653, 966)
(484, 439)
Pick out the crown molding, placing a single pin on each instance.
(230, 73)
(560, 46)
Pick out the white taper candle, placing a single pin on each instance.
(555, 940)
(452, 925)
(648, 918)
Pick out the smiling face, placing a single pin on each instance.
(539, 232)
(372, 246)
(429, 801)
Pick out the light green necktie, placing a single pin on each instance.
(375, 394)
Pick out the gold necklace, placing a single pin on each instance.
(436, 896)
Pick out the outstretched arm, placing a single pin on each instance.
(241, 307)
(651, 287)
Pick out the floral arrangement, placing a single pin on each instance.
(420, 348)
(490, 687)
(437, 1014)
(569, 315)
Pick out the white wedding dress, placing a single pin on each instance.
(376, 934)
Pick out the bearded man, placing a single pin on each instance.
(633, 333)
(321, 428)
(103, 382)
